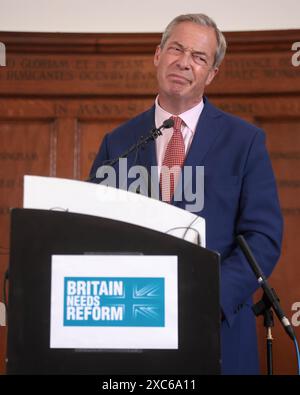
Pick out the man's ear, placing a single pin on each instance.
(211, 75)
(157, 55)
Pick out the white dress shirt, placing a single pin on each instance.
(190, 119)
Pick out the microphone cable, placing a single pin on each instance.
(187, 228)
(297, 354)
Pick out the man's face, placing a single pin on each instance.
(185, 63)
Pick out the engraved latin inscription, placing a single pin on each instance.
(38, 69)
(293, 184)
(256, 107)
(7, 183)
(259, 67)
(292, 155)
(18, 156)
(121, 109)
(123, 72)
(286, 211)
(245, 68)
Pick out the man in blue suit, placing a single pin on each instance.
(240, 194)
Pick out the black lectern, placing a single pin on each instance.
(36, 235)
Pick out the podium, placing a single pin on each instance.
(38, 235)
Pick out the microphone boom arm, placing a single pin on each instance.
(155, 132)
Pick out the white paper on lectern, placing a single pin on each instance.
(50, 193)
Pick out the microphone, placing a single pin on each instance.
(154, 133)
(168, 123)
(270, 294)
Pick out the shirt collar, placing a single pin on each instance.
(189, 117)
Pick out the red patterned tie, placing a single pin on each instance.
(173, 160)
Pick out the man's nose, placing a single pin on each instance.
(184, 60)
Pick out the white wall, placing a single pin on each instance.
(143, 15)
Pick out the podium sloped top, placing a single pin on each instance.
(50, 193)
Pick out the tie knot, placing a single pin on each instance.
(177, 123)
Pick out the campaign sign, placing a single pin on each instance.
(114, 301)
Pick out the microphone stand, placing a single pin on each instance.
(268, 302)
(264, 308)
(154, 133)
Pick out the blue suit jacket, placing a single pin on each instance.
(240, 197)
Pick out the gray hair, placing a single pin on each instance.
(202, 20)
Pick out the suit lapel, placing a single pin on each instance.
(208, 129)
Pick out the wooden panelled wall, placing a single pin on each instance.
(60, 93)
